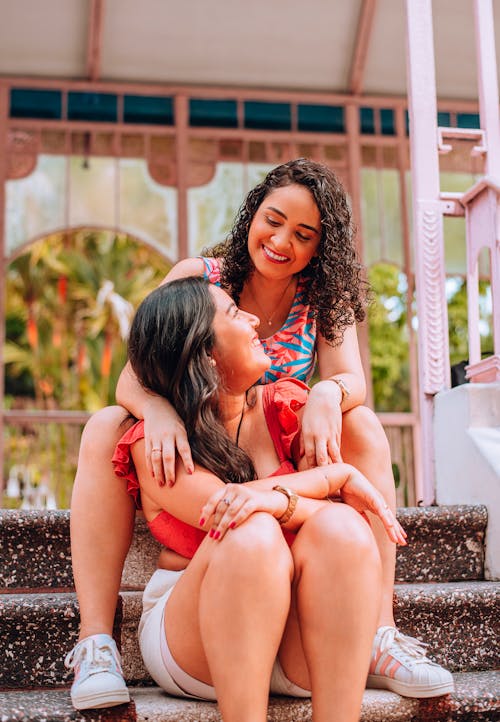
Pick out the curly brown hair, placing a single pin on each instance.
(337, 289)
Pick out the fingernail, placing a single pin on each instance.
(211, 533)
(202, 522)
(232, 525)
(217, 535)
(170, 483)
(190, 470)
(162, 482)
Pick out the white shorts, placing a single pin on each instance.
(158, 659)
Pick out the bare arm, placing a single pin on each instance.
(129, 392)
(192, 491)
(163, 428)
(322, 419)
(314, 487)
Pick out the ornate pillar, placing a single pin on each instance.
(433, 353)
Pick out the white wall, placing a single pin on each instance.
(467, 456)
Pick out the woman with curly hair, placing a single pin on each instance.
(290, 261)
(280, 588)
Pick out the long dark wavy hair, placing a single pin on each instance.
(169, 347)
(336, 289)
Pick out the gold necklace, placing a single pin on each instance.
(269, 319)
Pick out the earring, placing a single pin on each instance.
(213, 362)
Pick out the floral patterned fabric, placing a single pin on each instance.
(292, 349)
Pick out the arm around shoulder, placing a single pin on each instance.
(343, 363)
(183, 269)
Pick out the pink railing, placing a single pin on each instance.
(479, 204)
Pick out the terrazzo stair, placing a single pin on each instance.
(441, 597)
(37, 629)
(445, 544)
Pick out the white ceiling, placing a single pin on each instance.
(283, 44)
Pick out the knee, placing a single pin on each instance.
(258, 541)
(363, 431)
(103, 430)
(340, 532)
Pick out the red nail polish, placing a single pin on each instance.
(202, 522)
(232, 525)
(217, 535)
(211, 533)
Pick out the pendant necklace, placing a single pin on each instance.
(269, 319)
(241, 419)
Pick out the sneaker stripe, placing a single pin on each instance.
(374, 661)
(386, 662)
(392, 671)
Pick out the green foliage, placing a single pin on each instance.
(458, 322)
(69, 302)
(388, 334)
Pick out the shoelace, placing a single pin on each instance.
(98, 657)
(412, 647)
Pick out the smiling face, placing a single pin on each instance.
(285, 232)
(239, 355)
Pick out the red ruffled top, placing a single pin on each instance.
(281, 402)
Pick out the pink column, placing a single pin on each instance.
(482, 201)
(488, 82)
(354, 154)
(182, 160)
(433, 350)
(4, 109)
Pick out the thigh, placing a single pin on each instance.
(363, 436)
(291, 652)
(182, 628)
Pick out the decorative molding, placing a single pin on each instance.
(163, 173)
(431, 310)
(22, 154)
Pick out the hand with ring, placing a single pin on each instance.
(165, 437)
(228, 507)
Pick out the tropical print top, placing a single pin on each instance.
(292, 349)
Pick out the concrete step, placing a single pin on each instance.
(458, 620)
(476, 699)
(445, 544)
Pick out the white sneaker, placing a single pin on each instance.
(399, 664)
(98, 674)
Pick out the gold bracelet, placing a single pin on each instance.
(292, 503)
(344, 390)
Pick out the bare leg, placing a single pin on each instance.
(336, 596)
(102, 523)
(227, 613)
(365, 446)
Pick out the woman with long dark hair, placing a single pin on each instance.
(290, 261)
(283, 592)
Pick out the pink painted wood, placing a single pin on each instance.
(434, 372)
(4, 109)
(482, 201)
